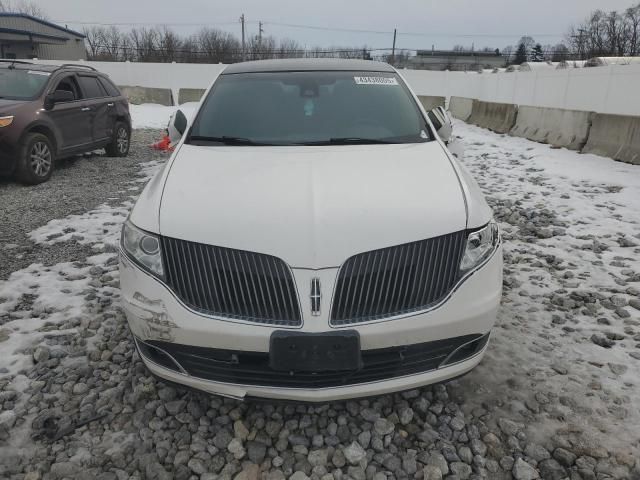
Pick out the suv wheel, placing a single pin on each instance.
(35, 163)
(119, 146)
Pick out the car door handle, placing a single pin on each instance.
(86, 109)
(110, 104)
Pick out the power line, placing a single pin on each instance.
(320, 28)
(131, 24)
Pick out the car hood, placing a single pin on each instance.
(313, 207)
(8, 106)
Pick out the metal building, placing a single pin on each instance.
(456, 60)
(24, 36)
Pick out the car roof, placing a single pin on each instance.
(308, 64)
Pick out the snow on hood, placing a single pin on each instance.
(311, 206)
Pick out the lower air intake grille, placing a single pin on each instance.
(252, 368)
(231, 283)
(397, 280)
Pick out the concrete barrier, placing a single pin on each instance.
(460, 107)
(140, 95)
(560, 128)
(615, 136)
(429, 102)
(186, 95)
(498, 117)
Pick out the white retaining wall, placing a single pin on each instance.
(612, 89)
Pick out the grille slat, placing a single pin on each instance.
(400, 280)
(231, 284)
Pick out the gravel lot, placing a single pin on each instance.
(556, 397)
(78, 184)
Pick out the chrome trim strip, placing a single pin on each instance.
(182, 370)
(479, 339)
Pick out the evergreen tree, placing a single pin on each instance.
(537, 55)
(521, 54)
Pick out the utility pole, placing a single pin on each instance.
(243, 44)
(393, 49)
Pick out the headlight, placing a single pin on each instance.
(6, 121)
(142, 247)
(480, 246)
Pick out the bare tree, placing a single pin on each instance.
(22, 6)
(169, 45)
(632, 20)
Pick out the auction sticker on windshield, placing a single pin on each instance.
(375, 81)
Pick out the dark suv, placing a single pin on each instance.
(54, 111)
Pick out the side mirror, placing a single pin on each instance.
(177, 126)
(442, 123)
(59, 96)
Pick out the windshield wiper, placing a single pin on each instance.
(349, 141)
(226, 140)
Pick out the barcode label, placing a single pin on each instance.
(375, 81)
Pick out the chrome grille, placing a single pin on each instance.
(397, 280)
(231, 283)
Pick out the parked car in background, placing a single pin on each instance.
(312, 239)
(52, 111)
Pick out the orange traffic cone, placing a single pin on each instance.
(163, 145)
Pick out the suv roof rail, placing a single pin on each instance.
(12, 60)
(76, 65)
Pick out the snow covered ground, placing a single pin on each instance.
(558, 392)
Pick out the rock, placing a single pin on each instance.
(457, 424)
(431, 472)
(318, 458)
(364, 438)
(64, 470)
(523, 471)
(7, 420)
(635, 303)
(249, 472)
(241, 432)
(256, 451)
(406, 415)
(465, 454)
(236, 448)
(616, 368)
(602, 341)
(478, 447)
(550, 469)
(536, 452)
(41, 354)
(509, 427)
(175, 407)
(564, 457)
(461, 470)
(299, 475)
(354, 453)
(80, 389)
(197, 466)
(382, 426)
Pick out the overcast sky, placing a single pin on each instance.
(420, 23)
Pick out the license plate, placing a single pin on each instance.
(315, 352)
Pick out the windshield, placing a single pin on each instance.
(21, 84)
(309, 108)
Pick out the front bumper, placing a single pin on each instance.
(156, 315)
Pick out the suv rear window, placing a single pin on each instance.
(111, 89)
(306, 108)
(91, 87)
